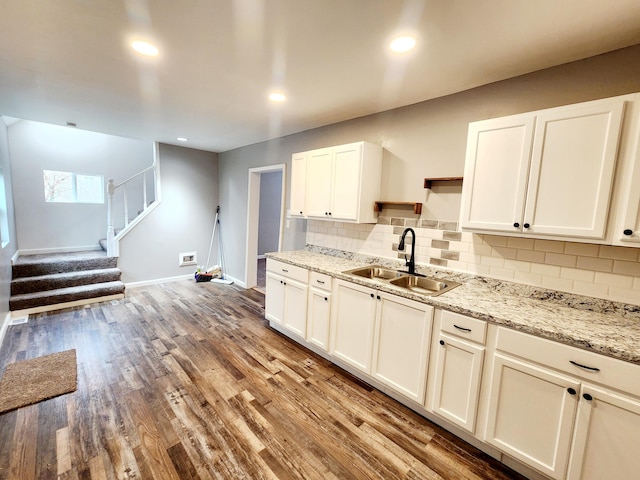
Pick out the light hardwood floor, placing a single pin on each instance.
(185, 380)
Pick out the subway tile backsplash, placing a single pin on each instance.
(601, 271)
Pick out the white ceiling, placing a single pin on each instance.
(69, 60)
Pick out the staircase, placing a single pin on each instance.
(52, 281)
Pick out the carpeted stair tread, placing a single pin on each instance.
(46, 264)
(55, 281)
(62, 295)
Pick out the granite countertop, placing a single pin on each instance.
(601, 326)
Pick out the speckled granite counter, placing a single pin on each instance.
(601, 326)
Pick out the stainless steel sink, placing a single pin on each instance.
(374, 271)
(424, 285)
(415, 283)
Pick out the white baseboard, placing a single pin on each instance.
(39, 251)
(236, 281)
(155, 281)
(4, 326)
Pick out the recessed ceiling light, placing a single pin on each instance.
(277, 97)
(145, 48)
(182, 139)
(403, 44)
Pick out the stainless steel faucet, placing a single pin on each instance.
(411, 263)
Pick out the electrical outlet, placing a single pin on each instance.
(188, 258)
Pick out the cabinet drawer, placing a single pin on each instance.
(320, 280)
(287, 270)
(610, 372)
(464, 327)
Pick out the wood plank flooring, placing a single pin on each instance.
(185, 380)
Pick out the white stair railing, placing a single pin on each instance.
(112, 190)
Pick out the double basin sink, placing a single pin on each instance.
(414, 283)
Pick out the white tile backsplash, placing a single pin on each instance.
(601, 271)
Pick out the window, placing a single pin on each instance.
(68, 187)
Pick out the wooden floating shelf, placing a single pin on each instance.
(417, 206)
(429, 181)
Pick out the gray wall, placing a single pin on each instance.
(182, 222)
(269, 217)
(6, 251)
(38, 146)
(427, 139)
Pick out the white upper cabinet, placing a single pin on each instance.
(318, 182)
(496, 170)
(341, 183)
(627, 232)
(626, 228)
(298, 180)
(572, 167)
(546, 173)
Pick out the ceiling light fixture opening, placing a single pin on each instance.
(182, 139)
(145, 48)
(403, 44)
(277, 97)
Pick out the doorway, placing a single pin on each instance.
(265, 217)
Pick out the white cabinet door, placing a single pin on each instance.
(496, 170)
(347, 172)
(607, 434)
(295, 307)
(401, 347)
(353, 313)
(298, 184)
(627, 231)
(318, 315)
(572, 167)
(319, 172)
(457, 381)
(531, 413)
(274, 298)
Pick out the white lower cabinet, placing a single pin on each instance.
(607, 434)
(457, 381)
(274, 297)
(531, 412)
(401, 345)
(319, 310)
(458, 355)
(286, 296)
(382, 335)
(546, 410)
(353, 314)
(562, 411)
